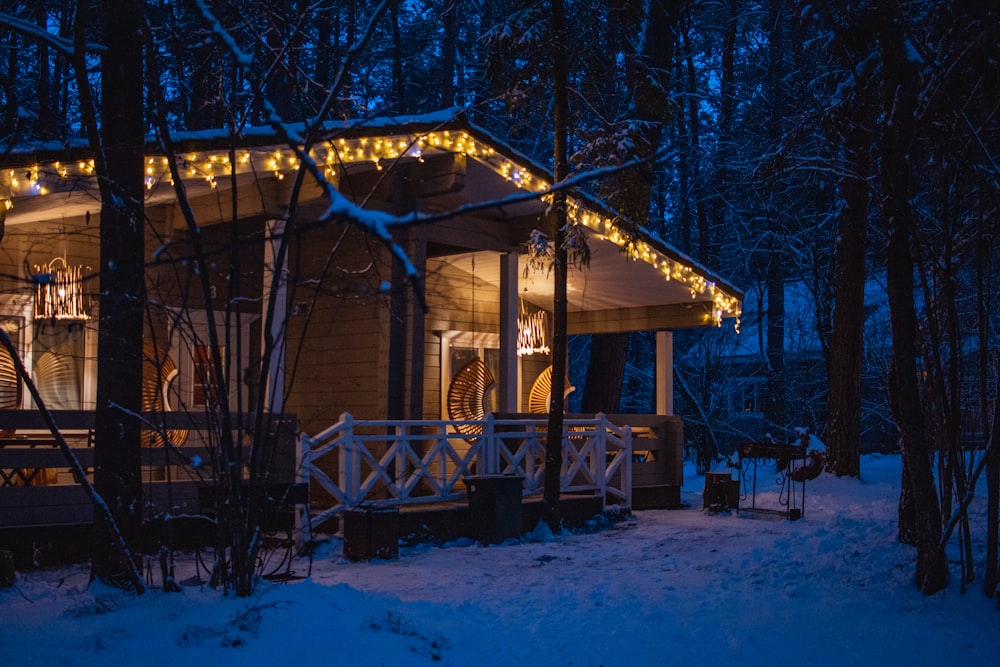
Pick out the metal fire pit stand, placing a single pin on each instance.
(785, 459)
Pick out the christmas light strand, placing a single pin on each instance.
(44, 178)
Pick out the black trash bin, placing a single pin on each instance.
(371, 532)
(495, 507)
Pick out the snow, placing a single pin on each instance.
(662, 587)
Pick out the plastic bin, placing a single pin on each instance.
(371, 532)
(495, 507)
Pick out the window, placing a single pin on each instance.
(749, 396)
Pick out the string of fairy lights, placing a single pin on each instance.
(45, 178)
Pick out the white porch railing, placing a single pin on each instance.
(407, 462)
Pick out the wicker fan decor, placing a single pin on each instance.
(57, 375)
(541, 391)
(157, 374)
(10, 388)
(467, 395)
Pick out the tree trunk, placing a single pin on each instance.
(984, 251)
(774, 351)
(449, 52)
(122, 298)
(553, 445)
(720, 180)
(45, 115)
(398, 82)
(920, 515)
(633, 189)
(603, 389)
(843, 440)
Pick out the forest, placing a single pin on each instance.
(837, 161)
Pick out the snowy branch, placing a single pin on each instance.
(29, 29)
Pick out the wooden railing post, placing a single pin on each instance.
(350, 461)
(599, 462)
(627, 464)
(489, 454)
(399, 460)
(302, 533)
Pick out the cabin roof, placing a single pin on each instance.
(632, 279)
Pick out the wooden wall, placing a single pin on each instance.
(341, 317)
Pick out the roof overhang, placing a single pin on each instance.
(633, 282)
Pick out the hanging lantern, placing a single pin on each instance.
(59, 291)
(532, 333)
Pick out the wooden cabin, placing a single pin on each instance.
(444, 323)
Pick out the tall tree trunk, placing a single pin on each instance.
(694, 137)
(11, 116)
(774, 404)
(843, 439)
(553, 444)
(632, 191)
(852, 44)
(449, 52)
(45, 115)
(919, 515)
(720, 180)
(122, 299)
(602, 391)
(398, 82)
(984, 253)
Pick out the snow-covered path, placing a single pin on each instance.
(665, 587)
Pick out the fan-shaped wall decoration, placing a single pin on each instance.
(541, 392)
(467, 395)
(158, 372)
(10, 388)
(57, 376)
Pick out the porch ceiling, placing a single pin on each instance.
(603, 296)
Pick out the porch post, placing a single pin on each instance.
(664, 372)
(508, 389)
(274, 392)
(415, 316)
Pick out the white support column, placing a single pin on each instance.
(508, 380)
(664, 372)
(274, 392)
(89, 366)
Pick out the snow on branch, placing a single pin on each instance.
(37, 32)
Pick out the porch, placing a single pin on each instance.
(418, 466)
(422, 465)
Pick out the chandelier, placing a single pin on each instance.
(59, 291)
(532, 333)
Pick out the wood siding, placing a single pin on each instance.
(340, 317)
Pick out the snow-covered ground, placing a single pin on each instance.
(665, 587)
